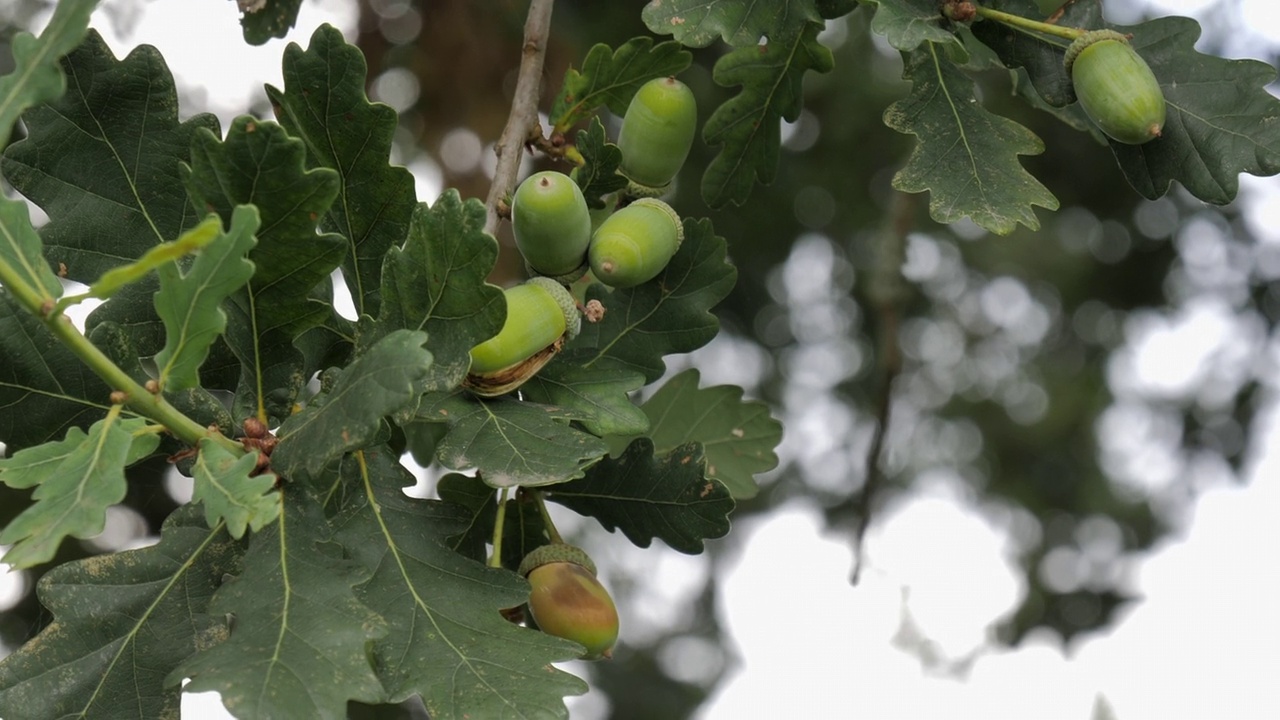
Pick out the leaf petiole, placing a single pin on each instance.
(546, 517)
(1020, 22)
(495, 560)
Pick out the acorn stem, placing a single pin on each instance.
(546, 517)
(1017, 21)
(495, 560)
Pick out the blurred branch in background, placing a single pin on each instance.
(887, 294)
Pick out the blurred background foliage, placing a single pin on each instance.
(1022, 379)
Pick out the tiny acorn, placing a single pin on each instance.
(657, 133)
(635, 243)
(1116, 87)
(552, 225)
(567, 601)
(541, 317)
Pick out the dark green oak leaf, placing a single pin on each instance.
(598, 394)
(382, 381)
(44, 388)
(510, 442)
(1041, 56)
(647, 497)
(737, 436)
(260, 164)
(36, 76)
(436, 282)
(965, 156)
(110, 612)
(1220, 122)
(668, 314)
(274, 20)
(123, 195)
(740, 23)
(747, 126)
(598, 176)
(612, 77)
(908, 23)
(445, 607)
(298, 646)
(324, 104)
(77, 480)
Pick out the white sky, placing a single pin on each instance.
(939, 575)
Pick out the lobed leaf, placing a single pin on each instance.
(738, 437)
(189, 303)
(612, 77)
(382, 381)
(298, 645)
(122, 195)
(451, 646)
(230, 494)
(259, 164)
(598, 395)
(907, 24)
(324, 104)
(669, 314)
(36, 77)
(274, 20)
(45, 390)
(436, 282)
(598, 176)
(1221, 121)
(120, 623)
(510, 442)
(965, 156)
(697, 23)
(647, 497)
(74, 492)
(747, 126)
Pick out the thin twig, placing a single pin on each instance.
(887, 293)
(523, 119)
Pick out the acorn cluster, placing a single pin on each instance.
(561, 239)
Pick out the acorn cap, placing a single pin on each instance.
(638, 190)
(568, 306)
(657, 204)
(1079, 44)
(553, 553)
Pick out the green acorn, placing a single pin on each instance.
(541, 317)
(657, 133)
(567, 601)
(552, 225)
(635, 243)
(1116, 87)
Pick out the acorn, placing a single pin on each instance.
(1116, 87)
(541, 317)
(657, 133)
(635, 243)
(552, 225)
(567, 601)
